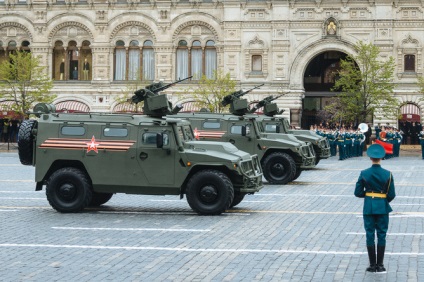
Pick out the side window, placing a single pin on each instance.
(72, 130)
(236, 129)
(115, 132)
(211, 125)
(149, 138)
(271, 128)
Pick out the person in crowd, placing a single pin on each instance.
(421, 136)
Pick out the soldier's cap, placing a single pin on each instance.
(376, 151)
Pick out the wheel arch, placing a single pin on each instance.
(58, 164)
(197, 168)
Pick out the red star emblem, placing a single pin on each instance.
(196, 134)
(92, 146)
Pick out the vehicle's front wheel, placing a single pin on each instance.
(99, 199)
(297, 174)
(238, 197)
(69, 190)
(279, 168)
(209, 192)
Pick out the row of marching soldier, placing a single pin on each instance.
(348, 142)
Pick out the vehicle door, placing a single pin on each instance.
(158, 164)
(241, 134)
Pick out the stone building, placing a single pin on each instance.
(94, 49)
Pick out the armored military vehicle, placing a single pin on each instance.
(84, 158)
(270, 123)
(283, 157)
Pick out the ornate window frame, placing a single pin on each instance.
(256, 47)
(409, 46)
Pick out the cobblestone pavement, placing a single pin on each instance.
(309, 230)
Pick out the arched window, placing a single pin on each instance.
(210, 59)
(120, 60)
(148, 61)
(136, 63)
(182, 59)
(196, 60)
(25, 46)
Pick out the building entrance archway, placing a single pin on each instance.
(319, 79)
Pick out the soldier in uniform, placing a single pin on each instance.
(332, 140)
(376, 186)
(421, 136)
(377, 131)
(341, 145)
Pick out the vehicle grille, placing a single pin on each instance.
(324, 143)
(251, 167)
(308, 150)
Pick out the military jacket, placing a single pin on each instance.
(378, 180)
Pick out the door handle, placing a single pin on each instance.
(143, 156)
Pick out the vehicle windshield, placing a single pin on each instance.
(185, 133)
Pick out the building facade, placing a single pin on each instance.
(94, 49)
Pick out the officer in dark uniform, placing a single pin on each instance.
(421, 137)
(376, 186)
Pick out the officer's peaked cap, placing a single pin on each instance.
(376, 151)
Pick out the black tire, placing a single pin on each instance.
(297, 174)
(238, 197)
(69, 190)
(99, 199)
(209, 192)
(279, 168)
(26, 141)
(317, 159)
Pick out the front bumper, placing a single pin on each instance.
(324, 145)
(252, 175)
(308, 156)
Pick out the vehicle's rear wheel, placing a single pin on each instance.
(26, 141)
(69, 190)
(99, 199)
(209, 192)
(238, 197)
(279, 168)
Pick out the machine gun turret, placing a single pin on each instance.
(270, 109)
(236, 95)
(152, 90)
(154, 104)
(238, 106)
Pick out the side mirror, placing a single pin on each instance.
(159, 140)
(277, 129)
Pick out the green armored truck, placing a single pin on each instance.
(283, 157)
(270, 123)
(82, 159)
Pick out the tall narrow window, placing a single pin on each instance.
(409, 63)
(210, 59)
(182, 59)
(134, 61)
(196, 60)
(256, 63)
(148, 61)
(120, 60)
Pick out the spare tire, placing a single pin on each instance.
(26, 141)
